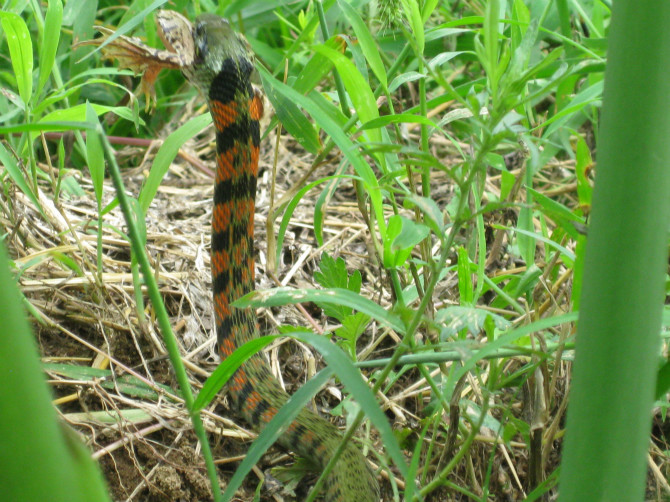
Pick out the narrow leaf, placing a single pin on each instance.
(337, 296)
(94, 153)
(49, 43)
(368, 45)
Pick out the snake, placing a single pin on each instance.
(219, 63)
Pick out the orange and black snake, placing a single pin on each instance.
(219, 63)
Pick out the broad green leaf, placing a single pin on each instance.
(402, 234)
(20, 51)
(432, 214)
(358, 89)
(333, 274)
(352, 327)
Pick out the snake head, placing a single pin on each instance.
(215, 42)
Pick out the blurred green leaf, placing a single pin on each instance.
(20, 51)
(49, 43)
(94, 153)
(9, 163)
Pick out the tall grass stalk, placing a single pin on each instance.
(626, 255)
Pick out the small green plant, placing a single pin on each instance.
(333, 274)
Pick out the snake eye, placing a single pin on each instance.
(200, 39)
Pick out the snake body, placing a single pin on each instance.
(221, 68)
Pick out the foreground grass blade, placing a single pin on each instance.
(626, 256)
(38, 459)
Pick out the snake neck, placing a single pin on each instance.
(236, 110)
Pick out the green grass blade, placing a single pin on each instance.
(413, 15)
(95, 154)
(368, 45)
(358, 89)
(608, 424)
(225, 370)
(60, 125)
(348, 149)
(8, 162)
(505, 339)
(128, 26)
(335, 296)
(352, 380)
(77, 113)
(286, 218)
(49, 43)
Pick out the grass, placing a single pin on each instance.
(437, 225)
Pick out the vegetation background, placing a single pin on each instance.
(426, 190)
